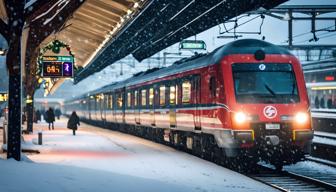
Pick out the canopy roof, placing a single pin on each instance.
(159, 24)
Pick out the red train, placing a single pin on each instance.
(245, 99)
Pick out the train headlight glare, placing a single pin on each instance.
(301, 117)
(240, 117)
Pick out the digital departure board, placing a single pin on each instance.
(57, 66)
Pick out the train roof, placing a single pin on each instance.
(243, 46)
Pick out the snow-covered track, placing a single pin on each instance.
(321, 161)
(289, 181)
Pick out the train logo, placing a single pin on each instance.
(270, 112)
(262, 67)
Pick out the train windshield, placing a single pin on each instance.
(265, 83)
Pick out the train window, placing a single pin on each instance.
(172, 95)
(129, 99)
(151, 96)
(135, 98)
(274, 83)
(212, 86)
(110, 102)
(119, 101)
(97, 97)
(186, 92)
(143, 97)
(106, 100)
(162, 95)
(102, 100)
(177, 94)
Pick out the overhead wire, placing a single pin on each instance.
(236, 25)
(307, 33)
(320, 36)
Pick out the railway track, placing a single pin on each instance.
(325, 135)
(321, 161)
(292, 178)
(290, 181)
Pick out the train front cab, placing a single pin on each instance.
(269, 107)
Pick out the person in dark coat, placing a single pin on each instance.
(38, 115)
(322, 104)
(73, 122)
(317, 102)
(329, 103)
(50, 117)
(58, 113)
(34, 116)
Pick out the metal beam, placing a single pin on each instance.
(309, 47)
(93, 43)
(306, 9)
(107, 9)
(4, 30)
(110, 19)
(290, 29)
(92, 26)
(86, 32)
(92, 22)
(120, 4)
(79, 15)
(92, 29)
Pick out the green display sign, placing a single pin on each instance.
(193, 44)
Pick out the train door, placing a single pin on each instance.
(114, 107)
(151, 106)
(196, 87)
(172, 104)
(91, 107)
(104, 107)
(108, 112)
(96, 105)
(124, 103)
(136, 107)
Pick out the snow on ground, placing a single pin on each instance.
(25, 176)
(102, 160)
(312, 166)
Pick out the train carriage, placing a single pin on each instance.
(246, 96)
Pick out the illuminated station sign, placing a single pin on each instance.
(57, 66)
(192, 44)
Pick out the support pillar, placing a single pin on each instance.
(290, 29)
(30, 115)
(14, 117)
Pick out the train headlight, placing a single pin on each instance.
(301, 117)
(240, 117)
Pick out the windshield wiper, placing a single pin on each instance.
(293, 88)
(269, 89)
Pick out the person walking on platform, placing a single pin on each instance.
(38, 115)
(73, 122)
(58, 113)
(50, 117)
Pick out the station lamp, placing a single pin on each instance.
(3, 52)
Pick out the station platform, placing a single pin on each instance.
(117, 162)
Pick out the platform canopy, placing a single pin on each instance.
(159, 24)
(93, 24)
